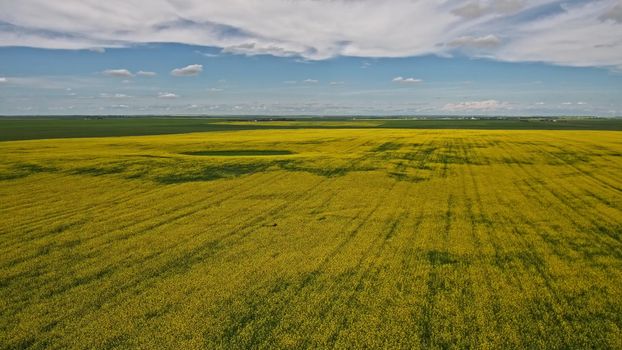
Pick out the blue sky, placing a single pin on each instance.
(505, 57)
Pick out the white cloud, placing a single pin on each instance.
(206, 54)
(146, 74)
(486, 105)
(118, 73)
(475, 9)
(188, 71)
(257, 48)
(167, 95)
(98, 49)
(310, 81)
(469, 10)
(3, 80)
(336, 83)
(575, 33)
(488, 41)
(407, 80)
(214, 90)
(576, 36)
(117, 95)
(614, 14)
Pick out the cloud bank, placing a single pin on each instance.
(487, 105)
(572, 33)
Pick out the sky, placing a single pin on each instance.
(311, 57)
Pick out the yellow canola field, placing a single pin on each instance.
(378, 238)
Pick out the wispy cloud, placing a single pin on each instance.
(118, 73)
(310, 81)
(475, 9)
(146, 73)
(167, 95)
(188, 71)
(98, 49)
(207, 54)
(117, 95)
(403, 80)
(488, 41)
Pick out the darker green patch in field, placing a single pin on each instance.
(64, 226)
(64, 286)
(315, 142)
(159, 312)
(98, 171)
(326, 172)
(148, 156)
(180, 170)
(119, 341)
(239, 153)
(419, 159)
(614, 232)
(264, 197)
(437, 284)
(511, 261)
(452, 157)
(213, 172)
(406, 177)
(320, 169)
(440, 258)
(26, 343)
(421, 153)
(21, 170)
(387, 146)
(34, 168)
(510, 160)
(11, 176)
(50, 326)
(567, 157)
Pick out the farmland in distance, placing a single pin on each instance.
(313, 238)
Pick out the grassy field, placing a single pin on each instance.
(313, 238)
